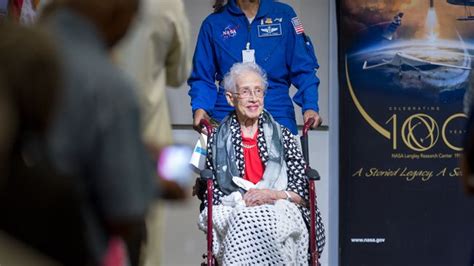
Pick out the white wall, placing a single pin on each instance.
(184, 246)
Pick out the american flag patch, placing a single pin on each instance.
(297, 25)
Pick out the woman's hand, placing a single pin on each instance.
(315, 115)
(256, 197)
(198, 116)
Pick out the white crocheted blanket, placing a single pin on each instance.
(262, 235)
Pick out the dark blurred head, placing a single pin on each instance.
(29, 78)
(218, 4)
(111, 17)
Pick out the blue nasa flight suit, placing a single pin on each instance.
(281, 49)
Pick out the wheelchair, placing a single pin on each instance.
(206, 176)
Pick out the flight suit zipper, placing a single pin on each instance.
(249, 27)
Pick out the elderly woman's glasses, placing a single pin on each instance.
(247, 93)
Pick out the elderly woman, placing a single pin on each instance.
(260, 188)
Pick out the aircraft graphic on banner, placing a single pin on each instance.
(402, 60)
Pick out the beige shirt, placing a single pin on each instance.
(156, 53)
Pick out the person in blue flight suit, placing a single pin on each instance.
(268, 33)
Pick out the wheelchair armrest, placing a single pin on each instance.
(312, 174)
(206, 174)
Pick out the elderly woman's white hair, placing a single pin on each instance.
(230, 79)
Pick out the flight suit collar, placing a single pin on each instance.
(262, 10)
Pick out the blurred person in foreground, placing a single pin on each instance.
(155, 53)
(38, 206)
(260, 188)
(468, 99)
(3, 10)
(96, 133)
(23, 11)
(467, 158)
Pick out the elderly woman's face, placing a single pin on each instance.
(248, 100)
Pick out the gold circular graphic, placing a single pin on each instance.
(443, 131)
(420, 132)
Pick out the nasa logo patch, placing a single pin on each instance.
(229, 32)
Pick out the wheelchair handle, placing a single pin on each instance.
(307, 126)
(207, 125)
(304, 140)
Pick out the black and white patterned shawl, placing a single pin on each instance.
(224, 156)
(297, 180)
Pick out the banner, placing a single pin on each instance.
(404, 67)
